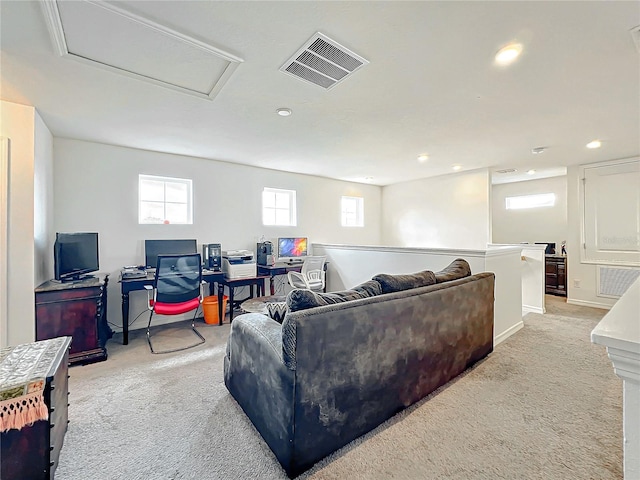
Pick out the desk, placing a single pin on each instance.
(132, 284)
(282, 269)
(233, 283)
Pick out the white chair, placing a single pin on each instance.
(311, 276)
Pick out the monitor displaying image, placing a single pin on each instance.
(292, 248)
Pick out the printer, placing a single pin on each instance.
(238, 264)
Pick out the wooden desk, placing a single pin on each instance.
(128, 285)
(233, 283)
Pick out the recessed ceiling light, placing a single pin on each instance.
(531, 172)
(508, 54)
(457, 167)
(538, 150)
(283, 112)
(423, 157)
(594, 144)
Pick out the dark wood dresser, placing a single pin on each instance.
(556, 275)
(32, 452)
(76, 309)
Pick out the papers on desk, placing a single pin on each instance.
(129, 273)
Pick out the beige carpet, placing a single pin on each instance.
(544, 405)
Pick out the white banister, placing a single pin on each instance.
(619, 331)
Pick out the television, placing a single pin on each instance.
(291, 249)
(153, 248)
(75, 255)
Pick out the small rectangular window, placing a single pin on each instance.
(164, 200)
(278, 207)
(531, 201)
(352, 211)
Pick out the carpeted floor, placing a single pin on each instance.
(545, 404)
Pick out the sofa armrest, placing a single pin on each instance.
(256, 376)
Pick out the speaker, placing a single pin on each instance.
(212, 256)
(265, 253)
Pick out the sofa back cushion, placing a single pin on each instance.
(459, 268)
(396, 283)
(300, 299)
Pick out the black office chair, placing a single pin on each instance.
(177, 289)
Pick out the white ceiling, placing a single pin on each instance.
(431, 85)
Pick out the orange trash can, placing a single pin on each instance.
(210, 308)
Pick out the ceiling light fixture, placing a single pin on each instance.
(457, 167)
(423, 157)
(508, 54)
(594, 144)
(283, 112)
(538, 150)
(531, 172)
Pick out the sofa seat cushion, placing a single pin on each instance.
(301, 299)
(396, 283)
(459, 268)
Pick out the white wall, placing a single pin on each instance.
(96, 189)
(547, 224)
(17, 123)
(448, 211)
(43, 234)
(354, 264)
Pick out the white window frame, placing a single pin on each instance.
(352, 211)
(279, 207)
(188, 201)
(536, 200)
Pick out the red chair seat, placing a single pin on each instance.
(175, 308)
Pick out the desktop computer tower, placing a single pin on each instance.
(264, 252)
(212, 256)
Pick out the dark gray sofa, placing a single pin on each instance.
(329, 374)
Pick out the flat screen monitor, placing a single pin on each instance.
(153, 248)
(292, 248)
(75, 255)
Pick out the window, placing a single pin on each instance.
(278, 207)
(164, 200)
(352, 212)
(610, 211)
(531, 201)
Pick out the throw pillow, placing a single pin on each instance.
(301, 299)
(277, 310)
(397, 283)
(459, 268)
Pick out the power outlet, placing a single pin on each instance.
(576, 283)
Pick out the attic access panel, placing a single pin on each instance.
(106, 36)
(323, 62)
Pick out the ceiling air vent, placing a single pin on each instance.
(507, 170)
(323, 62)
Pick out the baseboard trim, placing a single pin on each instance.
(527, 309)
(585, 303)
(507, 333)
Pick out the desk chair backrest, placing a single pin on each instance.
(176, 290)
(311, 276)
(178, 278)
(313, 264)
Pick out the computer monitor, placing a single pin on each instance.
(292, 249)
(153, 248)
